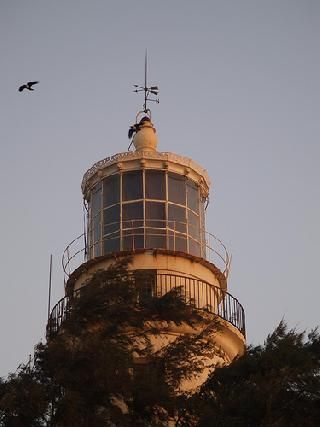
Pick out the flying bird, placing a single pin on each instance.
(27, 86)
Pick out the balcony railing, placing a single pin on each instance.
(168, 234)
(194, 292)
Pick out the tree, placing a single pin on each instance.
(23, 399)
(102, 367)
(276, 384)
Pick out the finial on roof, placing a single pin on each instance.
(144, 134)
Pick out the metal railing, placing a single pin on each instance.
(194, 292)
(171, 233)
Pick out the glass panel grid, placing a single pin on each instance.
(134, 217)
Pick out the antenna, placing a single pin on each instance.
(145, 72)
(148, 91)
(50, 280)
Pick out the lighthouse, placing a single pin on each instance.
(149, 206)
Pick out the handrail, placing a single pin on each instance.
(197, 293)
(211, 248)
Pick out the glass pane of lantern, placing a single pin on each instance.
(111, 243)
(194, 247)
(132, 242)
(177, 188)
(155, 238)
(96, 199)
(97, 235)
(132, 211)
(180, 243)
(97, 249)
(132, 185)
(111, 219)
(155, 214)
(111, 190)
(155, 184)
(177, 242)
(177, 218)
(192, 196)
(193, 225)
(96, 229)
(132, 215)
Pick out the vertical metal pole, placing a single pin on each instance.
(121, 215)
(166, 210)
(144, 228)
(145, 81)
(50, 277)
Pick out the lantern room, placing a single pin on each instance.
(146, 199)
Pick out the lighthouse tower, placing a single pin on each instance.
(150, 205)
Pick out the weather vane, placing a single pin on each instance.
(148, 91)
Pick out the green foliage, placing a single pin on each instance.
(87, 373)
(276, 384)
(23, 399)
(101, 369)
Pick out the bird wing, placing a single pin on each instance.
(130, 132)
(22, 87)
(32, 83)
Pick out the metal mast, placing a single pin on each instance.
(148, 90)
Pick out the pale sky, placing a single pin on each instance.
(239, 93)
